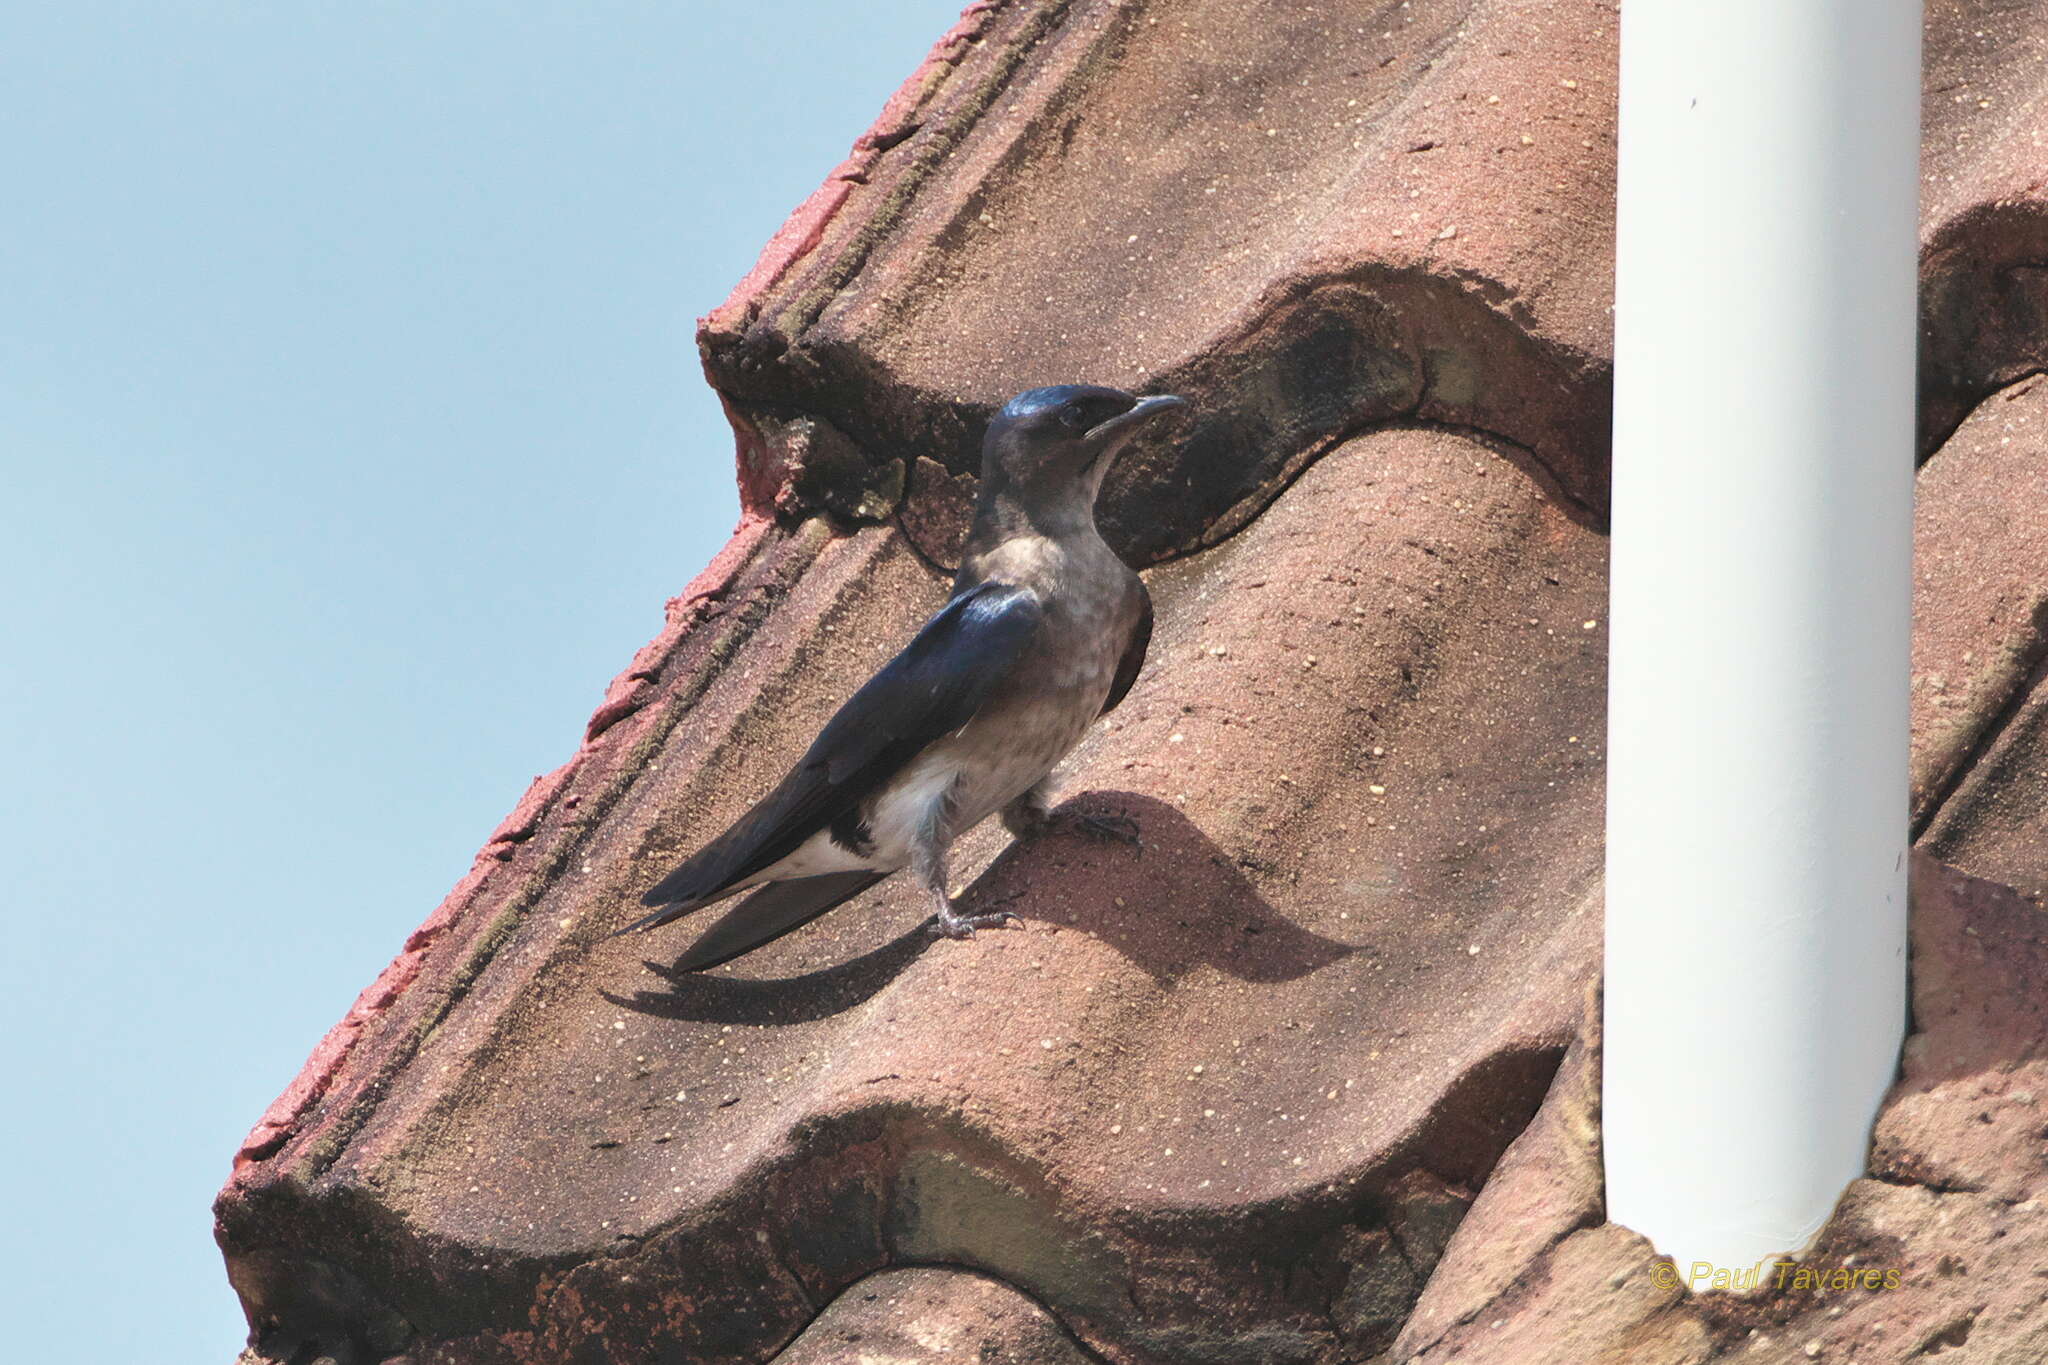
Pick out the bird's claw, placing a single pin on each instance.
(1118, 829)
(954, 925)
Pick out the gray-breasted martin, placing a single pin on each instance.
(1045, 631)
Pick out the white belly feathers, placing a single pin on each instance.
(976, 771)
(1027, 727)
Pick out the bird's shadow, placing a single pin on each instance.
(701, 996)
(1178, 903)
(1174, 903)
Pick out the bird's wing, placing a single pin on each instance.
(1133, 660)
(932, 688)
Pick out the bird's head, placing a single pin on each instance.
(1049, 448)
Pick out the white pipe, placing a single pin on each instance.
(1762, 515)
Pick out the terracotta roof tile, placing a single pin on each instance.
(1244, 1095)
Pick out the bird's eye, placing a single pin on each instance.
(1072, 415)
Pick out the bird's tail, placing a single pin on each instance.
(770, 913)
(673, 911)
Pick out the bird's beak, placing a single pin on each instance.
(1112, 432)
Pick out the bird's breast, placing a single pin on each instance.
(1040, 713)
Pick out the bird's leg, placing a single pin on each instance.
(1115, 829)
(928, 862)
(1031, 814)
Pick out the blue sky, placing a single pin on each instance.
(353, 436)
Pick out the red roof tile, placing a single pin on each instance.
(1233, 1097)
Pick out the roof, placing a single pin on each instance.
(1310, 1077)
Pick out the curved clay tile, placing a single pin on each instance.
(1264, 1090)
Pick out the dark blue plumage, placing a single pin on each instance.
(1045, 630)
(935, 685)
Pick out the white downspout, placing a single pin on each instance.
(1762, 518)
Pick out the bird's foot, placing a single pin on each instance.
(1115, 829)
(953, 924)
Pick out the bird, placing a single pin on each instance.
(1045, 630)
